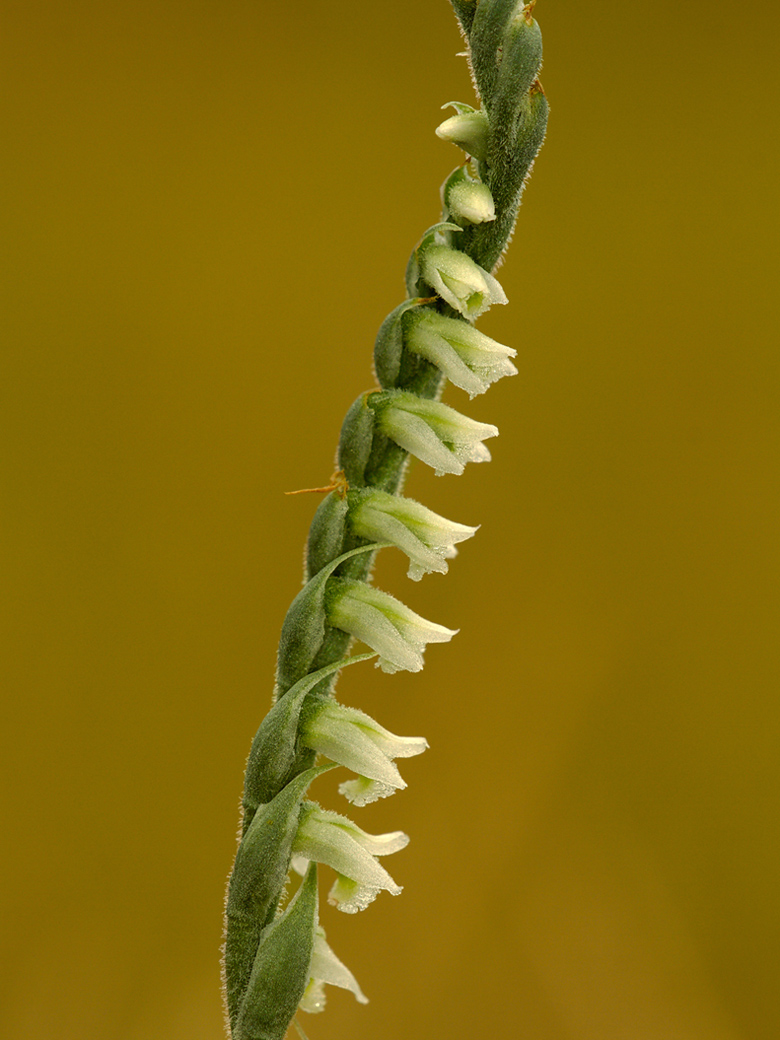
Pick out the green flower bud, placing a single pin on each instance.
(468, 129)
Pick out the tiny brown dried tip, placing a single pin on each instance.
(338, 483)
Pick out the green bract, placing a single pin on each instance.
(276, 957)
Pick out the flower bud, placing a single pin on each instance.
(330, 838)
(464, 285)
(467, 129)
(381, 621)
(468, 358)
(468, 201)
(427, 538)
(433, 432)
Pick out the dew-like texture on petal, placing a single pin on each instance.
(350, 896)
(362, 791)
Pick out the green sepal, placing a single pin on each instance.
(280, 972)
(257, 882)
(357, 437)
(326, 534)
(389, 345)
(274, 750)
(303, 629)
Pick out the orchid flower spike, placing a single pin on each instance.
(353, 739)
(327, 837)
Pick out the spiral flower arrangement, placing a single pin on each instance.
(276, 957)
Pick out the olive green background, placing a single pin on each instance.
(207, 213)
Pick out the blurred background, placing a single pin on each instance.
(208, 207)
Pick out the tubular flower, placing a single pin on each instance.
(427, 538)
(355, 740)
(468, 129)
(327, 837)
(433, 432)
(381, 621)
(465, 286)
(326, 968)
(468, 358)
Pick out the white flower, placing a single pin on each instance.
(381, 621)
(468, 129)
(434, 432)
(465, 286)
(355, 740)
(330, 838)
(426, 538)
(470, 201)
(326, 968)
(468, 358)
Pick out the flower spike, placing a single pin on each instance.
(276, 957)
